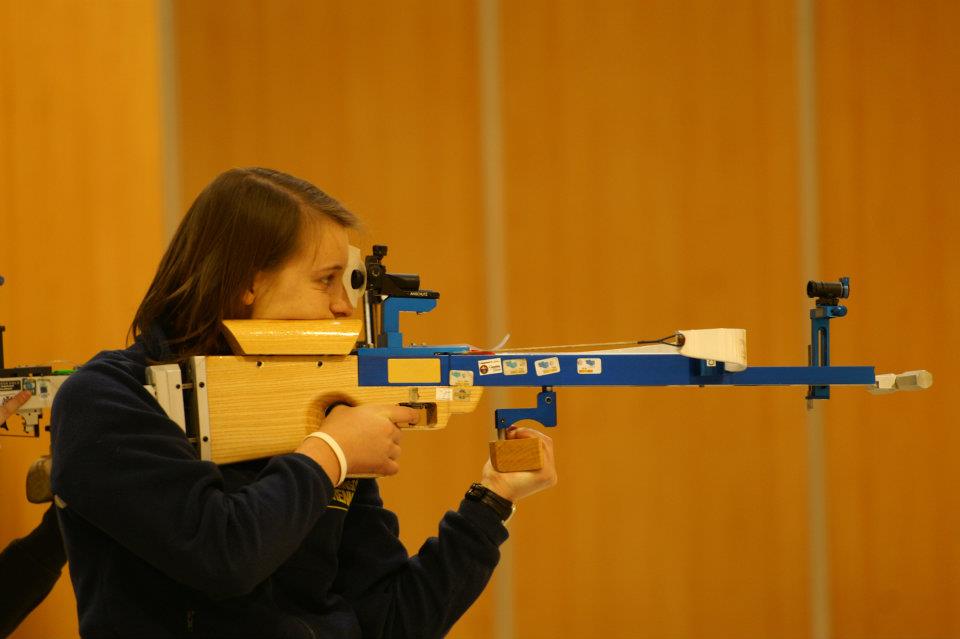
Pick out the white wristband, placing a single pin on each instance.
(335, 447)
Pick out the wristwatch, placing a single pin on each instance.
(503, 507)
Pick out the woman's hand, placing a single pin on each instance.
(516, 486)
(369, 436)
(13, 404)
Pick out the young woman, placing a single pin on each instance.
(163, 544)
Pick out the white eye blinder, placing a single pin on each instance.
(354, 276)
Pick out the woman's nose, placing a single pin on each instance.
(340, 304)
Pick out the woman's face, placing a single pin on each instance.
(310, 284)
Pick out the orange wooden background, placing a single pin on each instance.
(80, 203)
(651, 182)
(890, 174)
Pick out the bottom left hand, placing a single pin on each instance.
(517, 485)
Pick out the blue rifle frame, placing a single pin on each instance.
(611, 369)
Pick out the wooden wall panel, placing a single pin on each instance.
(80, 206)
(377, 104)
(652, 185)
(890, 181)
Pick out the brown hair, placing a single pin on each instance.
(245, 221)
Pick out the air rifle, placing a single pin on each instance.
(285, 375)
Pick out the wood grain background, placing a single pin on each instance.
(80, 207)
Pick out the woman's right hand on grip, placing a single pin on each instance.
(369, 436)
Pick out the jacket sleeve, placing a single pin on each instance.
(123, 467)
(421, 596)
(30, 567)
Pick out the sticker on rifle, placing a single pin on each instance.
(490, 366)
(514, 367)
(9, 385)
(444, 393)
(549, 366)
(589, 366)
(461, 378)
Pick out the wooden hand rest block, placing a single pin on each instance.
(514, 455)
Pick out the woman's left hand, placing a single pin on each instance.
(517, 485)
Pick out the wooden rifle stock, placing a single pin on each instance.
(265, 399)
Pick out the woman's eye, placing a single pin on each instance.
(325, 281)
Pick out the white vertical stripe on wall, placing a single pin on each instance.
(810, 255)
(491, 166)
(170, 131)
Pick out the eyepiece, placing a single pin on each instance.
(357, 279)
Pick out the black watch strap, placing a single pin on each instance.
(503, 507)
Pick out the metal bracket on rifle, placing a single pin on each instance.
(828, 296)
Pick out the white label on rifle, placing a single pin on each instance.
(461, 378)
(444, 393)
(490, 366)
(589, 365)
(514, 367)
(548, 366)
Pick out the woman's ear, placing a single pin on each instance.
(251, 293)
